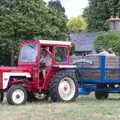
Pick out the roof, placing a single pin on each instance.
(83, 41)
(54, 42)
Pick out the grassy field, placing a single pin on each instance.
(85, 108)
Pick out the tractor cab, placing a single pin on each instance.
(31, 51)
(44, 57)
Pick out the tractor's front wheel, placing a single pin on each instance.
(64, 86)
(1, 97)
(17, 95)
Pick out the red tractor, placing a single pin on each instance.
(33, 79)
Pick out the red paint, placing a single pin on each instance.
(17, 96)
(65, 88)
(1, 83)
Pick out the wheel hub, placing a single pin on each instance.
(66, 88)
(18, 96)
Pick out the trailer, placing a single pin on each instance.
(98, 74)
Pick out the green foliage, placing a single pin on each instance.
(99, 11)
(108, 40)
(57, 5)
(26, 20)
(58, 20)
(77, 24)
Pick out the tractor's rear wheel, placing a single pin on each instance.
(64, 86)
(101, 95)
(17, 95)
(1, 97)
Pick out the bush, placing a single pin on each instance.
(108, 40)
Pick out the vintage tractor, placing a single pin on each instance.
(26, 81)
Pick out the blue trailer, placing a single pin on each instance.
(103, 78)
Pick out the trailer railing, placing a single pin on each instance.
(98, 68)
(93, 71)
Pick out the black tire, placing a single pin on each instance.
(66, 76)
(15, 100)
(101, 95)
(1, 97)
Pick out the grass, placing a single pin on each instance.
(85, 108)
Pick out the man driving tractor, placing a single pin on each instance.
(45, 60)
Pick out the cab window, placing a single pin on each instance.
(61, 54)
(28, 53)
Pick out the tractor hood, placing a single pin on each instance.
(15, 69)
(7, 72)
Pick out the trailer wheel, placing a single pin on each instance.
(64, 86)
(17, 95)
(1, 97)
(101, 95)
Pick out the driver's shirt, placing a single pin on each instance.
(46, 60)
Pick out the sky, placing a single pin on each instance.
(73, 8)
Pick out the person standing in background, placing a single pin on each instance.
(111, 53)
(103, 52)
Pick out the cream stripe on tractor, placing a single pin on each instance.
(7, 75)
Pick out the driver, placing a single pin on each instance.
(45, 60)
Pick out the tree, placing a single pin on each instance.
(26, 20)
(59, 20)
(77, 24)
(57, 5)
(99, 11)
(108, 40)
(18, 23)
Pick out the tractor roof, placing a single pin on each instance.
(53, 42)
(48, 42)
